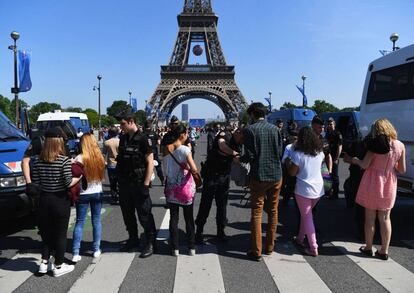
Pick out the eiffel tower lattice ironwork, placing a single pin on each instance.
(181, 81)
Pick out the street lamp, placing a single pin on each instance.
(130, 98)
(304, 77)
(15, 90)
(99, 77)
(270, 101)
(394, 38)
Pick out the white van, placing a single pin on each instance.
(389, 93)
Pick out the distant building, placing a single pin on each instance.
(184, 112)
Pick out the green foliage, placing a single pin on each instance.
(321, 106)
(116, 107)
(288, 105)
(93, 116)
(42, 107)
(73, 109)
(108, 120)
(243, 117)
(5, 106)
(351, 109)
(140, 117)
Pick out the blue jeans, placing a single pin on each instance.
(95, 201)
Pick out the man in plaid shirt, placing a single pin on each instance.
(263, 146)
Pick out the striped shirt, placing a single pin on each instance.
(53, 177)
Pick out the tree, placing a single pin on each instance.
(108, 120)
(288, 105)
(350, 109)
(93, 116)
(5, 106)
(140, 117)
(321, 106)
(73, 109)
(42, 107)
(117, 107)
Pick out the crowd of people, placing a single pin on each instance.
(287, 161)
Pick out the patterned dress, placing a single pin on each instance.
(378, 187)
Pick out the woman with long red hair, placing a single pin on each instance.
(94, 169)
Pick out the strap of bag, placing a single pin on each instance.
(175, 159)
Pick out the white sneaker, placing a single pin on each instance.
(97, 254)
(192, 252)
(64, 269)
(45, 267)
(175, 252)
(76, 258)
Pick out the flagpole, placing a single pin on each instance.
(15, 90)
(303, 87)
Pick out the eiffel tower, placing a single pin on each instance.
(185, 78)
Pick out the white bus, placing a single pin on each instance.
(389, 93)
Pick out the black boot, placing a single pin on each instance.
(130, 244)
(148, 250)
(221, 236)
(199, 237)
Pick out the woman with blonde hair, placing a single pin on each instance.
(378, 188)
(52, 173)
(94, 169)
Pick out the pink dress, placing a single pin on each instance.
(378, 187)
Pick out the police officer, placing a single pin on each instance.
(216, 184)
(135, 163)
(154, 141)
(334, 138)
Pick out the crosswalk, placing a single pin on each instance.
(290, 271)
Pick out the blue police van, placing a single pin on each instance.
(13, 200)
(302, 116)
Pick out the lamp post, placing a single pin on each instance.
(130, 98)
(270, 101)
(304, 77)
(394, 38)
(99, 77)
(15, 90)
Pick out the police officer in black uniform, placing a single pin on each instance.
(154, 141)
(135, 163)
(216, 184)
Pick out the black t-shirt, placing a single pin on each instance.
(153, 139)
(334, 139)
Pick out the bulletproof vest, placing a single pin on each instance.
(131, 161)
(152, 140)
(217, 161)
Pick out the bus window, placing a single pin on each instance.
(391, 84)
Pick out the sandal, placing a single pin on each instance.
(383, 256)
(367, 252)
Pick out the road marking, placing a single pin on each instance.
(199, 273)
(391, 275)
(164, 231)
(107, 273)
(291, 272)
(17, 270)
(72, 218)
(409, 243)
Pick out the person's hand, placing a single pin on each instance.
(145, 190)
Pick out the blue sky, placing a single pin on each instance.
(271, 43)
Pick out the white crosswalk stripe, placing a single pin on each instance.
(391, 275)
(164, 233)
(107, 273)
(17, 270)
(287, 267)
(199, 273)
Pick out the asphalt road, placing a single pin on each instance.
(219, 267)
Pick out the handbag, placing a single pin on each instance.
(196, 175)
(327, 180)
(183, 193)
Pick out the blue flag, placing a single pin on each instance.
(148, 109)
(134, 105)
(24, 71)
(305, 99)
